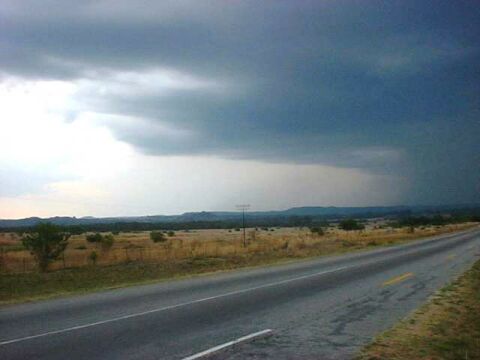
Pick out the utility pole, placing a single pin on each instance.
(243, 207)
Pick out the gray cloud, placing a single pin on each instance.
(389, 88)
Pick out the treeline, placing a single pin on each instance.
(266, 222)
(436, 220)
(290, 221)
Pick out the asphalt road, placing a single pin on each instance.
(318, 309)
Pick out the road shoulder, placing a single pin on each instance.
(447, 327)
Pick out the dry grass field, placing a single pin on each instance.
(135, 259)
(269, 243)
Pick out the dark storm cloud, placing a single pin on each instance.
(387, 87)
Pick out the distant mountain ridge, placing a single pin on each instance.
(205, 216)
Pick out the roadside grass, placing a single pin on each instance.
(31, 286)
(447, 327)
(135, 259)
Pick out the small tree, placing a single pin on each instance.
(46, 243)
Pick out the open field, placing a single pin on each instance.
(182, 245)
(134, 258)
(448, 327)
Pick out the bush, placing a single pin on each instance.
(171, 233)
(157, 236)
(107, 241)
(317, 230)
(93, 257)
(351, 224)
(94, 238)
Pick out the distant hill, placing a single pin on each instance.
(329, 212)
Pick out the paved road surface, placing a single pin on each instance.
(324, 308)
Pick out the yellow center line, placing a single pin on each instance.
(398, 279)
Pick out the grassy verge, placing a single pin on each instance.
(17, 288)
(448, 327)
(30, 286)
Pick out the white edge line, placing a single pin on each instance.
(218, 348)
(236, 292)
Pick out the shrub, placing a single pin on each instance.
(93, 257)
(351, 224)
(46, 243)
(157, 236)
(107, 241)
(94, 238)
(317, 230)
(81, 247)
(171, 233)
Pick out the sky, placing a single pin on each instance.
(114, 108)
